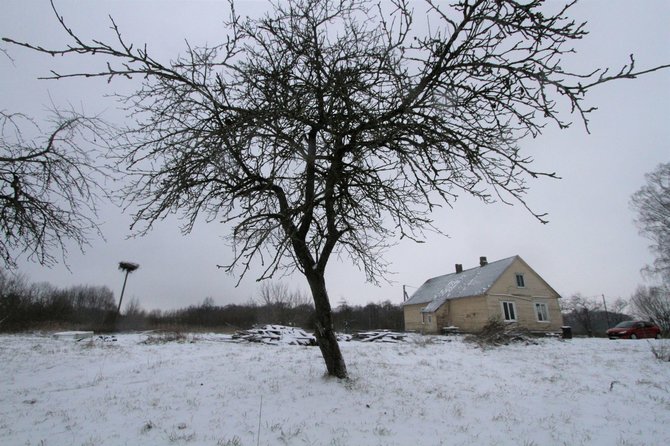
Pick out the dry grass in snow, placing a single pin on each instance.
(208, 391)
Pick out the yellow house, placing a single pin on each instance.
(508, 289)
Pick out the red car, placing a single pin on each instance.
(634, 330)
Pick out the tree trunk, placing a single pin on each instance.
(325, 335)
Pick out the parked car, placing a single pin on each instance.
(634, 330)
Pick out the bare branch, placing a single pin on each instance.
(48, 185)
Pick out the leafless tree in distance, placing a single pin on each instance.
(617, 309)
(48, 185)
(652, 204)
(277, 302)
(653, 303)
(332, 127)
(583, 310)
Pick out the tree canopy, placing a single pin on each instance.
(48, 185)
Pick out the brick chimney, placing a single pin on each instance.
(459, 268)
(483, 261)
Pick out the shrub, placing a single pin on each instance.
(496, 333)
(164, 338)
(661, 351)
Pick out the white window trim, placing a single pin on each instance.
(502, 310)
(546, 311)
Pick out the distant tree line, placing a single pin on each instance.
(654, 303)
(386, 315)
(26, 306)
(588, 316)
(29, 306)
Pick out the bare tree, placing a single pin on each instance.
(271, 293)
(48, 185)
(14, 294)
(652, 203)
(278, 293)
(134, 315)
(279, 302)
(653, 303)
(617, 309)
(583, 310)
(331, 127)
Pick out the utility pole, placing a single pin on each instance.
(128, 267)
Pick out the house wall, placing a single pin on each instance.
(535, 290)
(430, 323)
(525, 312)
(534, 284)
(414, 320)
(443, 316)
(469, 313)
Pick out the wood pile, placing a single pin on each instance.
(380, 336)
(281, 334)
(76, 335)
(276, 334)
(496, 333)
(451, 330)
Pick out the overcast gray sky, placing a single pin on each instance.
(590, 246)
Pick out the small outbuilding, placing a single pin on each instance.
(508, 289)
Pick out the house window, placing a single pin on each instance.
(520, 283)
(542, 312)
(426, 318)
(509, 311)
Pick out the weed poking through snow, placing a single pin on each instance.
(661, 351)
(164, 338)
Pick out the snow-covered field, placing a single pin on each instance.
(214, 392)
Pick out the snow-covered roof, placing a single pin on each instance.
(471, 282)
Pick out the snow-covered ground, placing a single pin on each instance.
(214, 392)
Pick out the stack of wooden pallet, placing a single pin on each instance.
(380, 336)
(276, 334)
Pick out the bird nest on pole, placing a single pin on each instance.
(128, 266)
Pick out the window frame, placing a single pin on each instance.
(520, 280)
(509, 304)
(544, 314)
